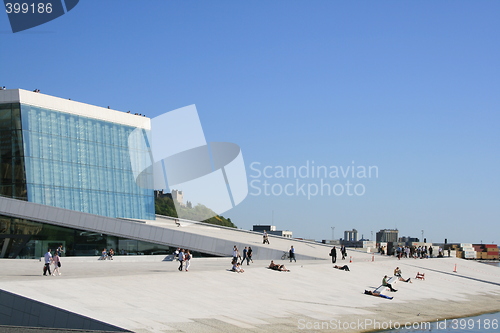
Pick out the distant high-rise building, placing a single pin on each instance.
(351, 235)
(387, 235)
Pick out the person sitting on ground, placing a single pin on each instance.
(345, 267)
(367, 292)
(237, 268)
(388, 285)
(397, 272)
(111, 253)
(104, 254)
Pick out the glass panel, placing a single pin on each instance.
(81, 163)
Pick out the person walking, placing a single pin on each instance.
(245, 251)
(48, 260)
(235, 253)
(249, 255)
(343, 251)
(265, 238)
(333, 254)
(292, 254)
(180, 257)
(56, 260)
(187, 257)
(60, 250)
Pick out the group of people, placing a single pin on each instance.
(247, 255)
(237, 267)
(54, 260)
(238, 260)
(385, 283)
(333, 253)
(184, 257)
(107, 255)
(415, 252)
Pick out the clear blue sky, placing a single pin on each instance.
(410, 87)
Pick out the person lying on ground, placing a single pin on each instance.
(367, 292)
(345, 267)
(277, 267)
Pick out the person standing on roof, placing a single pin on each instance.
(245, 257)
(180, 257)
(292, 254)
(265, 238)
(333, 254)
(249, 255)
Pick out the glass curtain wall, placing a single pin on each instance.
(81, 164)
(12, 175)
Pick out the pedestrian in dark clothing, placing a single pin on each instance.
(343, 251)
(333, 254)
(249, 255)
(181, 259)
(292, 254)
(48, 260)
(245, 251)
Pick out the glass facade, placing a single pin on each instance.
(80, 163)
(12, 174)
(69, 161)
(27, 240)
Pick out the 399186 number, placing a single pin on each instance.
(470, 324)
(25, 7)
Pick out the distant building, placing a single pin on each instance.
(271, 230)
(387, 235)
(351, 235)
(263, 227)
(408, 240)
(178, 197)
(161, 194)
(331, 242)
